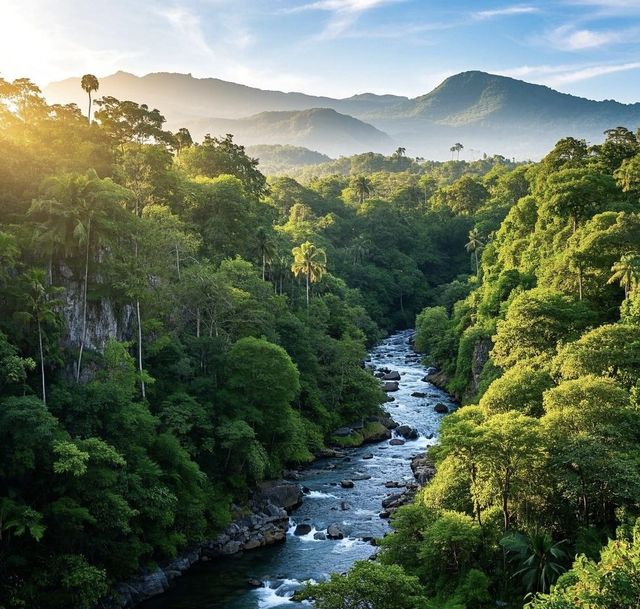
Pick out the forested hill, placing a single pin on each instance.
(488, 113)
(176, 328)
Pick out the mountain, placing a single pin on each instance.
(276, 159)
(502, 114)
(319, 129)
(181, 96)
(485, 112)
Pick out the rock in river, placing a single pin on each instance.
(391, 386)
(408, 432)
(302, 529)
(334, 532)
(441, 408)
(347, 484)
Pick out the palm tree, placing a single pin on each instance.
(400, 152)
(89, 83)
(362, 186)
(41, 309)
(474, 245)
(458, 147)
(626, 272)
(541, 561)
(310, 261)
(360, 249)
(266, 248)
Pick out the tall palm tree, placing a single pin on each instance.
(41, 304)
(474, 245)
(400, 152)
(266, 247)
(310, 261)
(363, 188)
(458, 147)
(89, 84)
(626, 272)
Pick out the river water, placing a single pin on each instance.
(223, 584)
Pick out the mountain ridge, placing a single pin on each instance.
(486, 112)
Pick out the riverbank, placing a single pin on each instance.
(342, 511)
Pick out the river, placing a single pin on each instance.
(223, 584)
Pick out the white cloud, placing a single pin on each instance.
(558, 75)
(568, 38)
(506, 11)
(344, 13)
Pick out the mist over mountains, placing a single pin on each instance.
(488, 113)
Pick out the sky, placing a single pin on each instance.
(331, 47)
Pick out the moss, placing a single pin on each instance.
(351, 441)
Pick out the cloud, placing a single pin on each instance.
(344, 13)
(506, 11)
(558, 75)
(568, 38)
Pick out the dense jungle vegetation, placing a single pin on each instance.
(175, 327)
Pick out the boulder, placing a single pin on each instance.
(254, 583)
(346, 484)
(385, 514)
(408, 432)
(368, 456)
(280, 493)
(302, 529)
(334, 532)
(396, 442)
(418, 394)
(320, 535)
(344, 506)
(391, 386)
(440, 408)
(394, 375)
(422, 468)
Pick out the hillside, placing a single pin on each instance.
(277, 159)
(488, 113)
(320, 129)
(184, 96)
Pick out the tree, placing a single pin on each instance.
(367, 585)
(626, 272)
(400, 152)
(310, 261)
(535, 322)
(362, 187)
(613, 582)
(266, 247)
(457, 147)
(81, 207)
(41, 308)
(89, 84)
(474, 245)
(539, 560)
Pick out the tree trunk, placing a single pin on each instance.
(505, 500)
(574, 220)
(44, 387)
(264, 263)
(142, 388)
(178, 261)
(89, 113)
(307, 289)
(84, 301)
(198, 322)
(475, 253)
(580, 278)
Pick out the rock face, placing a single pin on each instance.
(480, 356)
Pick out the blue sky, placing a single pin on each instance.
(333, 47)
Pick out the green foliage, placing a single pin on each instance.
(367, 584)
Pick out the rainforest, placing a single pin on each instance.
(176, 328)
